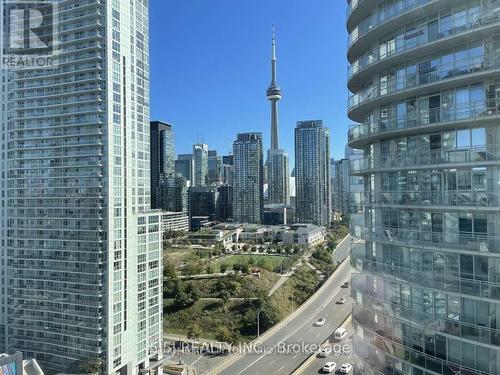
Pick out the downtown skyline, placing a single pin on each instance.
(229, 99)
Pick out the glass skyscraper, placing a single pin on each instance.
(80, 248)
(248, 182)
(312, 173)
(425, 83)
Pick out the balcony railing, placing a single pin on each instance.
(412, 159)
(380, 17)
(464, 25)
(426, 279)
(453, 198)
(378, 342)
(449, 239)
(424, 117)
(396, 83)
(395, 315)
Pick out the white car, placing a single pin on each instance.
(325, 352)
(342, 300)
(320, 322)
(329, 367)
(345, 368)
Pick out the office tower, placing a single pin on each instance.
(200, 157)
(214, 167)
(184, 165)
(81, 248)
(277, 159)
(425, 88)
(248, 200)
(225, 202)
(227, 169)
(162, 155)
(202, 201)
(312, 173)
(334, 185)
(172, 193)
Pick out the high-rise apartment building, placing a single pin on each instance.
(202, 201)
(200, 158)
(80, 249)
(312, 173)
(184, 165)
(214, 166)
(172, 193)
(277, 172)
(248, 199)
(162, 155)
(424, 77)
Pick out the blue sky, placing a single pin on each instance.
(210, 68)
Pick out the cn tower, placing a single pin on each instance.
(277, 159)
(274, 95)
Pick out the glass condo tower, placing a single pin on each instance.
(80, 256)
(424, 78)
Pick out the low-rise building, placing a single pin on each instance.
(253, 232)
(174, 221)
(214, 236)
(303, 234)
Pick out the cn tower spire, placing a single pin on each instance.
(274, 95)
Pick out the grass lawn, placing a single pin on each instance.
(178, 255)
(267, 262)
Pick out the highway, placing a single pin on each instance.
(339, 357)
(300, 329)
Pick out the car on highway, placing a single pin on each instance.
(345, 285)
(340, 333)
(342, 301)
(346, 368)
(325, 352)
(320, 322)
(329, 367)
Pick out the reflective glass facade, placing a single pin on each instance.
(425, 90)
(80, 248)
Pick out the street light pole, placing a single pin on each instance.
(258, 324)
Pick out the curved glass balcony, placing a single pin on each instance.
(395, 315)
(452, 198)
(449, 239)
(425, 159)
(373, 342)
(461, 25)
(439, 281)
(393, 82)
(380, 17)
(482, 109)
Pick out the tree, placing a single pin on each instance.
(169, 271)
(192, 268)
(236, 267)
(194, 331)
(185, 294)
(269, 314)
(245, 247)
(224, 334)
(245, 268)
(223, 267)
(210, 269)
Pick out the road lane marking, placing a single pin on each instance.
(200, 357)
(281, 368)
(317, 311)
